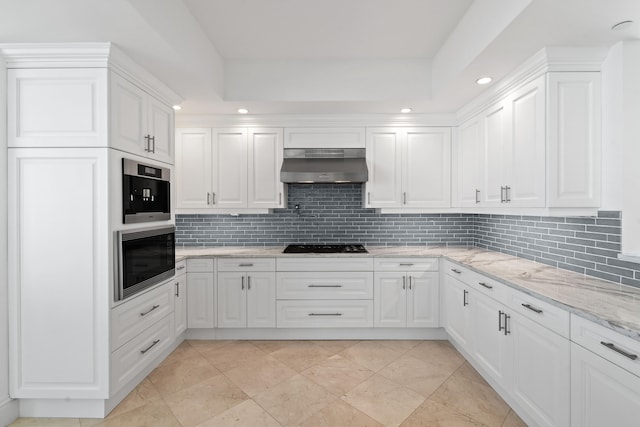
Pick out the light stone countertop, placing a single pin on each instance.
(612, 305)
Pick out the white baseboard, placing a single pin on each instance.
(318, 334)
(9, 411)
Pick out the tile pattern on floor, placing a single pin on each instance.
(307, 383)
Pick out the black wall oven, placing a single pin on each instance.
(145, 257)
(145, 192)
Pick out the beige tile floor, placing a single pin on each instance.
(309, 384)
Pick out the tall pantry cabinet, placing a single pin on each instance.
(69, 126)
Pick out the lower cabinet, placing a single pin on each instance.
(457, 311)
(200, 293)
(180, 296)
(246, 300)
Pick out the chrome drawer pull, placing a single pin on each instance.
(324, 286)
(147, 312)
(325, 314)
(464, 297)
(180, 268)
(245, 265)
(611, 346)
(456, 271)
(150, 347)
(406, 264)
(485, 285)
(532, 308)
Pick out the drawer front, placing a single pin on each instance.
(325, 285)
(455, 270)
(246, 264)
(406, 264)
(547, 315)
(607, 343)
(492, 288)
(130, 359)
(136, 315)
(325, 314)
(200, 265)
(181, 267)
(311, 263)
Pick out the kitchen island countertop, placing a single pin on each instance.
(610, 304)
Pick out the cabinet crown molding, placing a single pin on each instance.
(85, 55)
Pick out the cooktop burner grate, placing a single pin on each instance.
(324, 249)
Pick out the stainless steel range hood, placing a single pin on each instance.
(324, 165)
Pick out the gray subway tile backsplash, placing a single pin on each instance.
(333, 213)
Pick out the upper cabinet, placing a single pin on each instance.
(87, 107)
(537, 147)
(228, 169)
(140, 123)
(409, 168)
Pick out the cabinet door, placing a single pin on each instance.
(540, 381)
(426, 168)
(261, 300)
(128, 112)
(229, 168)
(384, 159)
(160, 125)
(496, 154)
(602, 394)
(490, 345)
(470, 156)
(193, 168)
(180, 306)
(390, 297)
(457, 310)
(574, 139)
(526, 167)
(423, 300)
(200, 300)
(232, 300)
(265, 161)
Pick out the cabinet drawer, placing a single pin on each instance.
(310, 263)
(606, 343)
(200, 265)
(325, 313)
(455, 270)
(494, 289)
(325, 285)
(405, 264)
(181, 267)
(246, 264)
(547, 315)
(137, 314)
(130, 359)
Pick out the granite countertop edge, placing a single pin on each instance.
(506, 269)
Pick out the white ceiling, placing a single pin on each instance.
(323, 56)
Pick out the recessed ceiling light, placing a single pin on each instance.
(623, 25)
(484, 80)
(406, 110)
(243, 110)
(177, 107)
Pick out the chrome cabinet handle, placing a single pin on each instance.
(406, 264)
(485, 285)
(465, 302)
(506, 324)
(404, 198)
(532, 308)
(507, 194)
(502, 196)
(177, 289)
(404, 282)
(180, 268)
(368, 198)
(279, 198)
(213, 198)
(456, 271)
(409, 282)
(150, 310)
(245, 264)
(500, 327)
(325, 314)
(477, 196)
(208, 197)
(324, 286)
(152, 147)
(248, 283)
(242, 283)
(150, 347)
(612, 346)
(147, 147)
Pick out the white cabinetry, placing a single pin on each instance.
(140, 123)
(200, 293)
(519, 343)
(246, 293)
(406, 292)
(228, 169)
(468, 175)
(180, 297)
(408, 168)
(605, 376)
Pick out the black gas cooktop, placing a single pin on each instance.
(324, 249)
